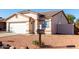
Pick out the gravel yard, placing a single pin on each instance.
(56, 41)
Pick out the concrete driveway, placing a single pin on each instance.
(3, 34)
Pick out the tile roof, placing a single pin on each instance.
(27, 11)
(47, 14)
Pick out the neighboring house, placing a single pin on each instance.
(2, 24)
(52, 22)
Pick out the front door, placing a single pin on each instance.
(31, 25)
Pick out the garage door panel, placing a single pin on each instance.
(19, 27)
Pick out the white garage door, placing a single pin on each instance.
(21, 28)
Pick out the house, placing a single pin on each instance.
(52, 22)
(2, 24)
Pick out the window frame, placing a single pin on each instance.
(45, 24)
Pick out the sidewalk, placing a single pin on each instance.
(3, 34)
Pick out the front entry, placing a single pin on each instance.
(31, 26)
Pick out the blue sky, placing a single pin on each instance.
(7, 12)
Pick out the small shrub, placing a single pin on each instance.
(35, 42)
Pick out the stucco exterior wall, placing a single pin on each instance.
(57, 19)
(18, 18)
(7, 27)
(65, 28)
(34, 16)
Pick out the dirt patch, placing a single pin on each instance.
(59, 41)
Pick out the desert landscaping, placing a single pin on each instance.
(53, 41)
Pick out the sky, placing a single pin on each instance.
(7, 12)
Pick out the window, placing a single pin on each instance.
(45, 24)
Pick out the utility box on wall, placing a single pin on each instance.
(65, 29)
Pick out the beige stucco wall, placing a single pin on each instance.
(7, 27)
(18, 18)
(58, 19)
(34, 16)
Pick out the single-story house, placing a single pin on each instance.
(52, 22)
